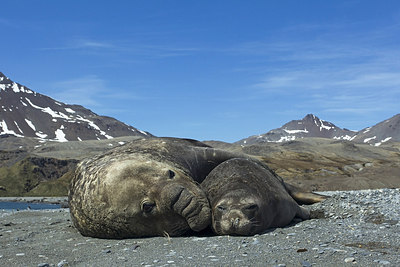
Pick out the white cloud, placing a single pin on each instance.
(84, 91)
(352, 75)
(125, 48)
(95, 93)
(81, 44)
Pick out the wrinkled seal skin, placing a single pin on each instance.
(148, 187)
(247, 198)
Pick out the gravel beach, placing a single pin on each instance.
(358, 228)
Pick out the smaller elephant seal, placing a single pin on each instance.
(247, 198)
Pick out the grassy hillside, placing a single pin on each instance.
(34, 176)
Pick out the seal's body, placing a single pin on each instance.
(148, 187)
(246, 198)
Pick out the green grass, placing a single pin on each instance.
(24, 178)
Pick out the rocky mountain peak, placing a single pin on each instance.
(309, 126)
(26, 113)
(387, 130)
(309, 117)
(3, 78)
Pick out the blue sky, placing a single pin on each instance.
(221, 70)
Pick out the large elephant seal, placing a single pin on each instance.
(148, 187)
(246, 198)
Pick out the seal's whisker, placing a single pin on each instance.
(166, 234)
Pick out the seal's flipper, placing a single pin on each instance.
(303, 197)
(303, 213)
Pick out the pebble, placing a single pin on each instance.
(305, 264)
(383, 262)
(349, 259)
(43, 265)
(62, 263)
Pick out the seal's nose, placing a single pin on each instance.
(235, 222)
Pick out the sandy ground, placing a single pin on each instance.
(352, 228)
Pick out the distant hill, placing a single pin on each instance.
(312, 126)
(309, 126)
(387, 130)
(26, 113)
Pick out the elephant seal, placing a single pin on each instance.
(148, 187)
(246, 198)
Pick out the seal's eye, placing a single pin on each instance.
(252, 207)
(171, 174)
(221, 208)
(148, 207)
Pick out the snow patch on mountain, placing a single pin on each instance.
(5, 130)
(295, 131)
(382, 141)
(70, 110)
(49, 111)
(344, 137)
(60, 136)
(286, 139)
(142, 132)
(366, 140)
(41, 135)
(55, 114)
(19, 129)
(326, 127)
(367, 130)
(30, 124)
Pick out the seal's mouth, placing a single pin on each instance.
(194, 207)
(177, 202)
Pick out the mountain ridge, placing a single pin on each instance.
(312, 126)
(26, 113)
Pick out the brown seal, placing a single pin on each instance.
(148, 187)
(246, 198)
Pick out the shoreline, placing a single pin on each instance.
(63, 201)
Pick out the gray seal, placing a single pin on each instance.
(247, 198)
(149, 187)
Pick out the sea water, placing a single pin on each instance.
(7, 206)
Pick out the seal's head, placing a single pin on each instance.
(246, 198)
(237, 213)
(136, 197)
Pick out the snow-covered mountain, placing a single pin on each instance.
(309, 126)
(26, 113)
(312, 126)
(387, 130)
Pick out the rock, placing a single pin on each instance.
(349, 259)
(383, 262)
(62, 263)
